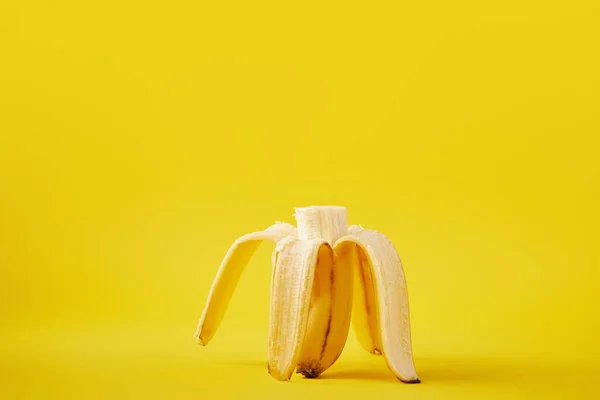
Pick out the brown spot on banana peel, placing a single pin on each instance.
(311, 370)
(416, 380)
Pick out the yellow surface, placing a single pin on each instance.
(138, 140)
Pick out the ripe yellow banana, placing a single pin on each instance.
(323, 273)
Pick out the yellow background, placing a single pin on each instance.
(138, 140)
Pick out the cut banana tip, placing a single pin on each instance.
(325, 276)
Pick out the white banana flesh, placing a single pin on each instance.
(324, 275)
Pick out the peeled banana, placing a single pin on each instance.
(324, 273)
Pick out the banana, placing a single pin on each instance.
(229, 274)
(324, 275)
(331, 298)
(391, 334)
